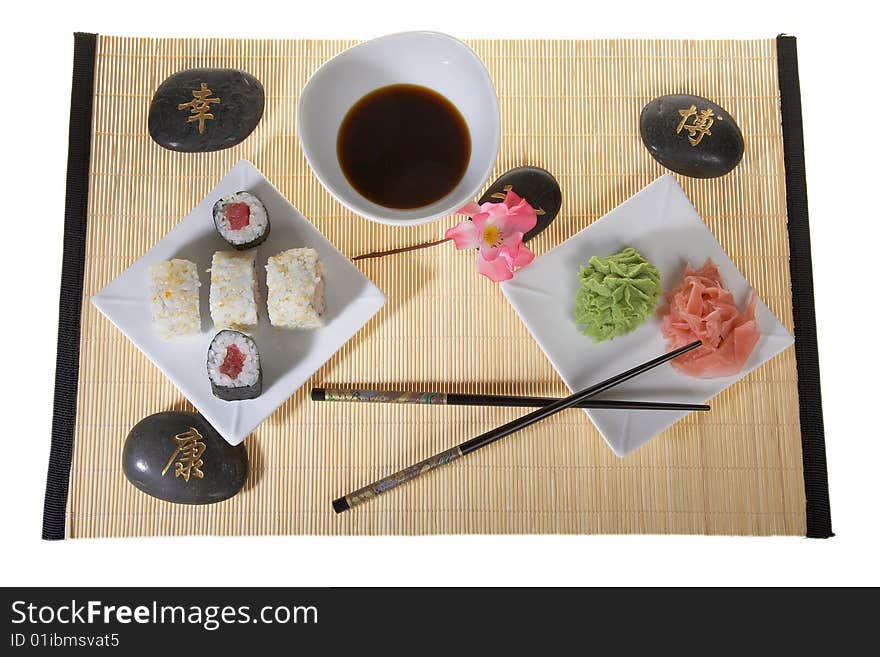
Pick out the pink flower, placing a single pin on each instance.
(496, 230)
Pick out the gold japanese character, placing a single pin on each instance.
(199, 106)
(188, 455)
(699, 128)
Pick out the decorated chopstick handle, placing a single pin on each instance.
(393, 481)
(378, 396)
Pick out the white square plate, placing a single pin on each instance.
(288, 358)
(663, 226)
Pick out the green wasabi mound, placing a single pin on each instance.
(617, 294)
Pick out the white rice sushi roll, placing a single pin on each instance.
(296, 289)
(233, 297)
(234, 367)
(242, 220)
(174, 298)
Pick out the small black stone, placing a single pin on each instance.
(239, 110)
(157, 459)
(535, 185)
(691, 135)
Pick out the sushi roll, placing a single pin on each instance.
(296, 289)
(242, 220)
(234, 366)
(233, 297)
(174, 298)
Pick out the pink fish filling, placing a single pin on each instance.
(238, 215)
(702, 309)
(233, 362)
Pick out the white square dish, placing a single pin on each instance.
(288, 357)
(661, 223)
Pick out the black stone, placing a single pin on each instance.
(151, 448)
(235, 116)
(535, 185)
(716, 152)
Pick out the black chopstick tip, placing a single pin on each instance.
(341, 505)
(318, 394)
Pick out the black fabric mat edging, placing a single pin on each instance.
(72, 265)
(804, 310)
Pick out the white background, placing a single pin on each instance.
(838, 79)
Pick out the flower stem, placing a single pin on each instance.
(402, 249)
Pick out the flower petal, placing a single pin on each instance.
(522, 218)
(488, 252)
(480, 222)
(512, 199)
(470, 209)
(495, 270)
(496, 210)
(522, 257)
(465, 235)
(511, 239)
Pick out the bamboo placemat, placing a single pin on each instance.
(571, 107)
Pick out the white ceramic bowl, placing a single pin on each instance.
(430, 59)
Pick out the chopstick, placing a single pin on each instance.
(402, 476)
(457, 399)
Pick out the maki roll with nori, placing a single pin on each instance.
(234, 366)
(242, 220)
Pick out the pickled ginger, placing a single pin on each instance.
(700, 308)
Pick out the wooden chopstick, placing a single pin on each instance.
(459, 399)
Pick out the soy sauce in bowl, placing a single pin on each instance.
(403, 146)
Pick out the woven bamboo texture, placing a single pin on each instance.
(571, 107)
